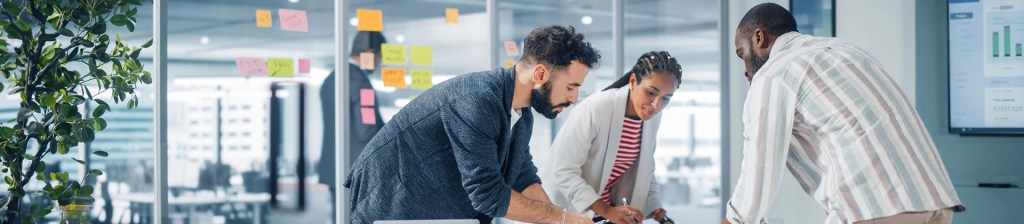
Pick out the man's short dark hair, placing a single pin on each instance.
(772, 18)
(558, 46)
(367, 40)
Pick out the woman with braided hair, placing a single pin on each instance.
(603, 156)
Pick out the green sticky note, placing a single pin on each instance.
(280, 67)
(421, 55)
(422, 78)
(392, 54)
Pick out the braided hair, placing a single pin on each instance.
(648, 64)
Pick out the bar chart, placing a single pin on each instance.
(1006, 56)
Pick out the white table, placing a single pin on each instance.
(193, 201)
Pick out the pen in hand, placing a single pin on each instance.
(630, 213)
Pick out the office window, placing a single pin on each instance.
(688, 163)
(231, 62)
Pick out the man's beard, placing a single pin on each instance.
(757, 61)
(540, 100)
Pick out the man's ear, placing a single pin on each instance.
(541, 75)
(758, 39)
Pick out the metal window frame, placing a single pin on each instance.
(342, 211)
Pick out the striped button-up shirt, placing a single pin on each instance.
(831, 114)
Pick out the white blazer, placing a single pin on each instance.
(581, 158)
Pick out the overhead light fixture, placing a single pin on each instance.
(293, 1)
(353, 21)
(204, 40)
(400, 38)
(587, 20)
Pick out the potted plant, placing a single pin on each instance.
(56, 57)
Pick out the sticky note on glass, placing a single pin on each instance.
(368, 116)
(293, 20)
(422, 78)
(511, 49)
(392, 54)
(251, 66)
(421, 55)
(263, 18)
(393, 77)
(451, 15)
(510, 63)
(370, 20)
(366, 61)
(366, 98)
(303, 65)
(280, 67)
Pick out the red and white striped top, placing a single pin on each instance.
(629, 149)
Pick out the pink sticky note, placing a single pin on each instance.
(366, 97)
(251, 66)
(369, 118)
(511, 49)
(293, 20)
(303, 65)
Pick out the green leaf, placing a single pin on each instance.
(148, 43)
(12, 8)
(22, 25)
(119, 20)
(27, 156)
(100, 153)
(99, 124)
(66, 32)
(94, 172)
(41, 167)
(99, 27)
(8, 180)
(79, 161)
(85, 190)
(62, 149)
(131, 26)
(6, 132)
(48, 100)
(100, 110)
(146, 78)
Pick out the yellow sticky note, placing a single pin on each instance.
(370, 20)
(509, 63)
(393, 77)
(451, 15)
(422, 78)
(421, 55)
(281, 67)
(263, 18)
(392, 54)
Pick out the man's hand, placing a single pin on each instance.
(536, 192)
(576, 218)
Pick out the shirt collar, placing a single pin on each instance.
(782, 41)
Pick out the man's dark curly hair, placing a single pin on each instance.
(557, 46)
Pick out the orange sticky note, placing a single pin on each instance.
(510, 63)
(369, 118)
(263, 18)
(293, 20)
(370, 20)
(303, 65)
(366, 97)
(366, 61)
(452, 15)
(251, 66)
(511, 49)
(393, 77)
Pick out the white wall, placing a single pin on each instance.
(884, 28)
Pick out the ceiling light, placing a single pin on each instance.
(586, 20)
(353, 21)
(400, 38)
(204, 40)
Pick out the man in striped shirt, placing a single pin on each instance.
(831, 114)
